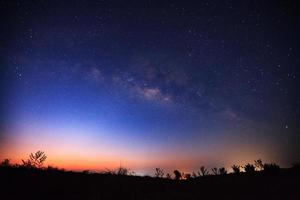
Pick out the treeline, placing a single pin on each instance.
(36, 161)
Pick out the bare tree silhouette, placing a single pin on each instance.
(159, 172)
(35, 160)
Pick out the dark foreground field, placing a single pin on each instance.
(18, 183)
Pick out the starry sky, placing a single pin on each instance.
(145, 84)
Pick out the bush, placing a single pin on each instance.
(177, 174)
(187, 176)
(271, 167)
(236, 169)
(122, 171)
(222, 171)
(249, 168)
(168, 176)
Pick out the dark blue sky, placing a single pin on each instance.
(148, 83)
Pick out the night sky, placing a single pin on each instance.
(145, 84)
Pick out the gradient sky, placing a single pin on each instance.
(145, 84)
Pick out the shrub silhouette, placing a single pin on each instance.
(259, 164)
(35, 160)
(187, 176)
(236, 169)
(222, 171)
(159, 172)
(177, 174)
(215, 171)
(203, 171)
(51, 168)
(122, 171)
(271, 167)
(168, 176)
(90, 185)
(249, 168)
(5, 163)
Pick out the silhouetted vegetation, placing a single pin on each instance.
(159, 173)
(270, 182)
(219, 171)
(168, 176)
(249, 168)
(236, 169)
(271, 167)
(122, 171)
(194, 175)
(35, 160)
(177, 175)
(187, 176)
(215, 171)
(203, 171)
(222, 171)
(259, 164)
(5, 163)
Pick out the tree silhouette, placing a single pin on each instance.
(35, 160)
(177, 174)
(159, 172)
(203, 171)
(249, 168)
(236, 169)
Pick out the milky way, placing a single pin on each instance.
(147, 83)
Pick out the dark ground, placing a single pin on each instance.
(20, 183)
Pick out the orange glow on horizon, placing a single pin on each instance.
(82, 154)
